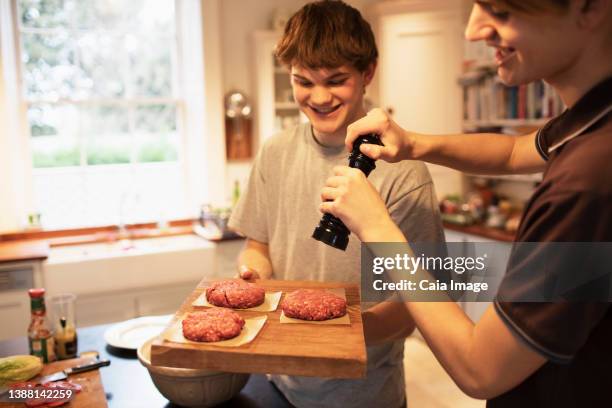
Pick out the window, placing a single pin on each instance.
(100, 82)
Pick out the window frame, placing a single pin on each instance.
(199, 116)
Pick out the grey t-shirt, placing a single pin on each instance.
(280, 208)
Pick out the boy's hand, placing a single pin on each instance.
(349, 196)
(398, 144)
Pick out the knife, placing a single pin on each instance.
(62, 375)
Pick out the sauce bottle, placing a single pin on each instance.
(40, 336)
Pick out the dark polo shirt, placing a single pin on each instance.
(572, 204)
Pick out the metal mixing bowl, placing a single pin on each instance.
(192, 387)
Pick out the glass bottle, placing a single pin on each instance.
(64, 325)
(40, 336)
(235, 193)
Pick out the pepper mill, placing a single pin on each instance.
(331, 230)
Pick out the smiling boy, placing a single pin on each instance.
(331, 53)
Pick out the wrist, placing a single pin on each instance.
(420, 145)
(382, 231)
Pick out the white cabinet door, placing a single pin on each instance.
(105, 308)
(454, 236)
(163, 301)
(421, 55)
(15, 280)
(14, 314)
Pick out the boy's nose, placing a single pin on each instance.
(479, 26)
(320, 95)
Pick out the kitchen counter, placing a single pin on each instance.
(16, 251)
(127, 382)
(482, 231)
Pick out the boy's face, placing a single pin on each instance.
(331, 98)
(529, 47)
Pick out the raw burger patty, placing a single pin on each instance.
(212, 325)
(236, 294)
(311, 304)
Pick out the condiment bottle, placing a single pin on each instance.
(40, 336)
(64, 328)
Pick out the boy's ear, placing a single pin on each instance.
(368, 74)
(593, 13)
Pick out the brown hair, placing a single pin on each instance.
(327, 34)
(534, 6)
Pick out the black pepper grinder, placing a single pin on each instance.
(331, 230)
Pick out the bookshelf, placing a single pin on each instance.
(491, 106)
(489, 102)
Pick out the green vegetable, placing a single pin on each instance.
(19, 368)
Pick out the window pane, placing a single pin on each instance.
(101, 65)
(156, 118)
(106, 130)
(150, 65)
(95, 14)
(54, 135)
(49, 70)
(89, 69)
(135, 15)
(156, 140)
(44, 13)
(153, 16)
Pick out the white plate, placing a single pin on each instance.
(132, 333)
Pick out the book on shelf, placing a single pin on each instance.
(487, 100)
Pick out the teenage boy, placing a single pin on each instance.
(331, 52)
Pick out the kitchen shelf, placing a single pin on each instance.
(471, 124)
(286, 105)
(526, 178)
(482, 231)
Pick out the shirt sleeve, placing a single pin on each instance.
(417, 214)
(249, 217)
(556, 254)
(541, 145)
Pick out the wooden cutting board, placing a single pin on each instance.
(92, 394)
(336, 351)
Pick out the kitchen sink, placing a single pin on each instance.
(128, 264)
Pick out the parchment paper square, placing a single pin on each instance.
(338, 320)
(270, 303)
(252, 327)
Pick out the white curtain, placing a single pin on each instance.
(15, 162)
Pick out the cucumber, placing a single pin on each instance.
(19, 368)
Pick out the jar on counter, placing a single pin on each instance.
(63, 317)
